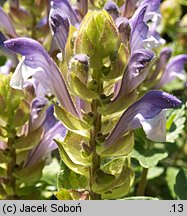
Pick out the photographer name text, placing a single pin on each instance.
(12, 208)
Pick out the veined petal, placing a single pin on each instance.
(155, 128)
(124, 29)
(129, 8)
(45, 69)
(112, 9)
(38, 113)
(65, 6)
(83, 7)
(58, 131)
(152, 8)
(174, 69)
(136, 71)
(6, 24)
(60, 27)
(163, 58)
(21, 74)
(139, 29)
(50, 119)
(35, 88)
(148, 107)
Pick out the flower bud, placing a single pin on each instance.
(97, 37)
(79, 65)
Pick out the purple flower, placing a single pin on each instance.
(147, 113)
(38, 113)
(67, 9)
(52, 129)
(6, 24)
(38, 64)
(152, 8)
(139, 29)
(136, 71)
(142, 35)
(46, 145)
(129, 8)
(83, 7)
(161, 63)
(174, 69)
(112, 9)
(60, 27)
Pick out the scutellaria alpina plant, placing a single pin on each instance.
(104, 85)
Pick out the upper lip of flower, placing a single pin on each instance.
(149, 106)
(45, 69)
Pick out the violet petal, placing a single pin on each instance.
(60, 27)
(38, 63)
(147, 108)
(67, 9)
(174, 69)
(136, 71)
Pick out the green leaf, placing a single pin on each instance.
(113, 165)
(112, 188)
(177, 182)
(175, 123)
(27, 191)
(97, 37)
(2, 193)
(71, 122)
(148, 158)
(21, 115)
(123, 146)
(3, 158)
(72, 146)
(140, 198)
(122, 185)
(69, 52)
(78, 168)
(63, 194)
(9, 99)
(154, 172)
(2, 60)
(118, 64)
(3, 172)
(49, 173)
(70, 180)
(30, 174)
(103, 179)
(80, 89)
(28, 142)
(117, 106)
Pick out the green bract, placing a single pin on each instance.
(97, 37)
(14, 110)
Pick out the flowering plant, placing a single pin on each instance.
(104, 86)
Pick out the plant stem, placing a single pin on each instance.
(142, 184)
(93, 143)
(11, 165)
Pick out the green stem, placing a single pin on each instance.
(143, 182)
(93, 143)
(11, 165)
